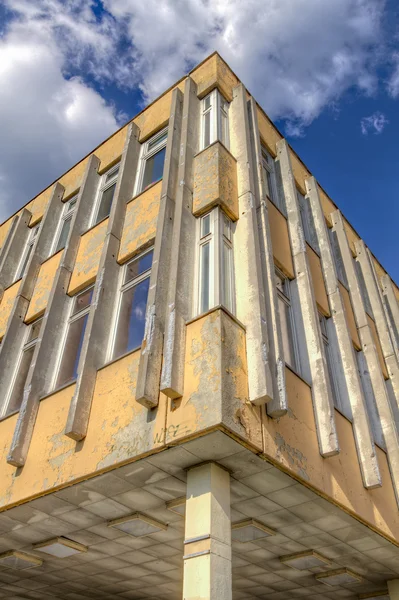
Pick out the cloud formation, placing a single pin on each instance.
(55, 56)
(375, 123)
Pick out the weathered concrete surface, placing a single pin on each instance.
(319, 287)
(6, 306)
(88, 258)
(182, 269)
(393, 308)
(321, 390)
(215, 181)
(13, 249)
(148, 383)
(350, 317)
(207, 545)
(44, 282)
(384, 408)
(361, 427)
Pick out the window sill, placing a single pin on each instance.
(53, 254)
(213, 144)
(144, 191)
(214, 309)
(298, 375)
(58, 389)
(94, 226)
(277, 207)
(114, 360)
(9, 415)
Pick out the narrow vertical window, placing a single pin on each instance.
(206, 245)
(269, 179)
(106, 194)
(62, 233)
(22, 369)
(227, 264)
(363, 289)
(308, 227)
(76, 327)
(286, 321)
(339, 263)
(332, 374)
(131, 311)
(152, 161)
(215, 120)
(27, 252)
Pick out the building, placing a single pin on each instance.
(199, 371)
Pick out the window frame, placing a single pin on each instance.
(27, 251)
(122, 288)
(268, 164)
(103, 186)
(219, 110)
(331, 365)
(308, 227)
(146, 153)
(285, 296)
(67, 214)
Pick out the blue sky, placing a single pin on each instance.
(73, 71)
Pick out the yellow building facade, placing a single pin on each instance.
(199, 371)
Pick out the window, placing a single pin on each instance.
(286, 321)
(363, 288)
(62, 234)
(369, 397)
(152, 161)
(131, 311)
(269, 179)
(106, 194)
(332, 373)
(26, 254)
(215, 262)
(339, 263)
(308, 227)
(68, 368)
(21, 372)
(215, 120)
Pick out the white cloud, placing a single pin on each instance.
(375, 123)
(393, 81)
(296, 57)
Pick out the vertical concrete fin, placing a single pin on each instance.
(361, 426)
(13, 248)
(14, 337)
(321, 390)
(95, 343)
(42, 370)
(278, 406)
(250, 294)
(383, 404)
(392, 306)
(149, 373)
(180, 297)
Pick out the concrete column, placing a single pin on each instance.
(250, 296)
(182, 268)
(41, 373)
(384, 408)
(393, 307)
(321, 391)
(9, 236)
(14, 337)
(149, 373)
(393, 589)
(207, 545)
(278, 406)
(361, 426)
(106, 290)
(12, 249)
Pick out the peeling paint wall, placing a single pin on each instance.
(140, 222)
(318, 281)
(6, 306)
(43, 286)
(280, 240)
(88, 258)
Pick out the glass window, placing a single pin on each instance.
(332, 374)
(152, 161)
(286, 320)
(27, 251)
(308, 227)
(129, 331)
(363, 288)
(106, 194)
(339, 263)
(269, 179)
(65, 224)
(215, 120)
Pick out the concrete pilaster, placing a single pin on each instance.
(321, 390)
(383, 404)
(250, 297)
(393, 307)
(393, 589)
(361, 425)
(95, 343)
(14, 337)
(149, 373)
(182, 268)
(278, 406)
(41, 374)
(10, 234)
(207, 546)
(13, 248)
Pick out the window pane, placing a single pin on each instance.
(223, 128)
(154, 168)
(207, 129)
(112, 175)
(34, 330)
(138, 266)
(73, 346)
(18, 389)
(207, 102)
(205, 288)
(285, 322)
(131, 320)
(226, 227)
(82, 300)
(105, 203)
(25, 261)
(157, 141)
(71, 204)
(205, 225)
(227, 275)
(64, 234)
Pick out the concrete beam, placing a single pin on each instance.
(45, 357)
(321, 391)
(250, 296)
(278, 406)
(361, 426)
(393, 307)
(149, 373)
(384, 408)
(207, 545)
(13, 248)
(105, 294)
(182, 267)
(15, 333)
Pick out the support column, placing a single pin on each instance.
(393, 307)
(105, 293)
(393, 589)
(250, 297)
(207, 545)
(361, 426)
(12, 249)
(279, 405)
(384, 408)
(149, 373)
(180, 297)
(321, 391)
(41, 372)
